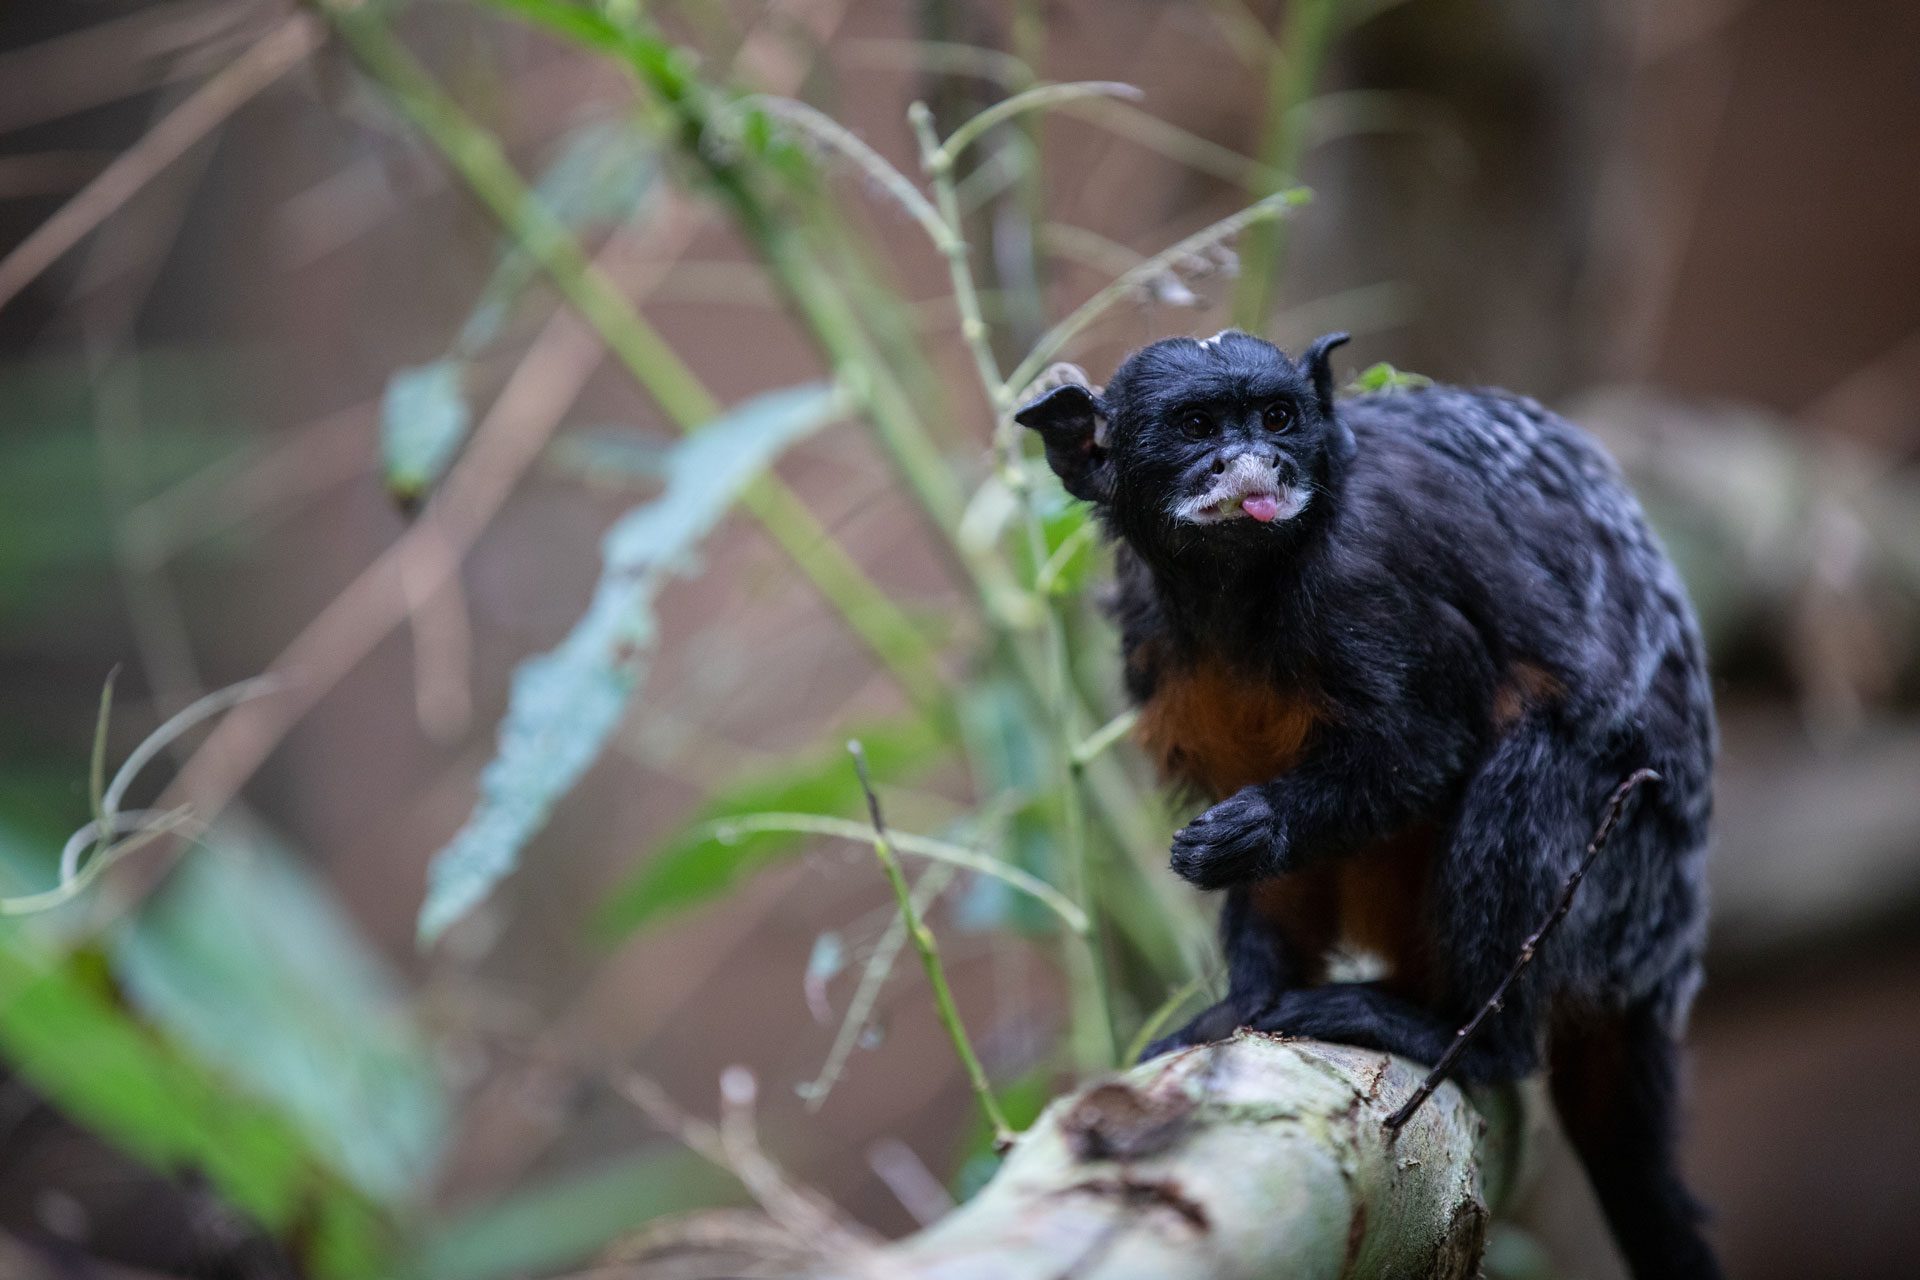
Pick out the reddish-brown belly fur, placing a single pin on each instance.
(1214, 730)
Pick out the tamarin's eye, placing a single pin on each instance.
(1277, 416)
(1197, 424)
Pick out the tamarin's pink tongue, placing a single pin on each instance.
(1261, 506)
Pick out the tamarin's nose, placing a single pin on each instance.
(1219, 466)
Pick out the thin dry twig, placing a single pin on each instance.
(733, 1146)
(1464, 1036)
(709, 1244)
(805, 1213)
(652, 1101)
(276, 53)
(958, 855)
(275, 480)
(107, 61)
(442, 649)
(913, 1184)
(866, 995)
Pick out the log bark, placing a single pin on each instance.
(1257, 1157)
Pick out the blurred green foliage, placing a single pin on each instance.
(306, 1016)
(56, 531)
(699, 863)
(556, 1222)
(64, 1031)
(235, 1023)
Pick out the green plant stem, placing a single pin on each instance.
(97, 764)
(923, 942)
(932, 882)
(1161, 927)
(1291, 73)
(1093, 1039)
(1093, 1034)
(935, 850)
(1051, 343)
(1159, 931)
(1036, 99)
(477, 158)
(1047, 581)
(836, 328)
(938, 162)
(1096, 743)
(1159, 1018)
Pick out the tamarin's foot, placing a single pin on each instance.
(1216, 1022)
(1238, 840)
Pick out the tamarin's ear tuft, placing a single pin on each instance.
(1071, 419)
(1319, 370)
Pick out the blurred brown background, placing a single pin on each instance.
(1690, 223)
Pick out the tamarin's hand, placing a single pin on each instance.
(1236, 841)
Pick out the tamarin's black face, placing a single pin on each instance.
(1195, 444)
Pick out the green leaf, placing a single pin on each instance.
(587, 26)
(63, 1033)
(247, 960)
(1384, 377)
(565, 704)
(424, 416)
(551, 1226)
(1008, 747)
(1072, 538)
(694, 865)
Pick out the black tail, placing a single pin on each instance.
(1615, 1087)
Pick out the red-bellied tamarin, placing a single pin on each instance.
(1406, 645)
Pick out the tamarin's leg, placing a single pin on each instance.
(1524, 823)
(1262, 962)
(1615, 1087)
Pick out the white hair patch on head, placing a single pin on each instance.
(1213, 343)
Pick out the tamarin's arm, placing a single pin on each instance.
(1401, 728)
(1355, 787)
